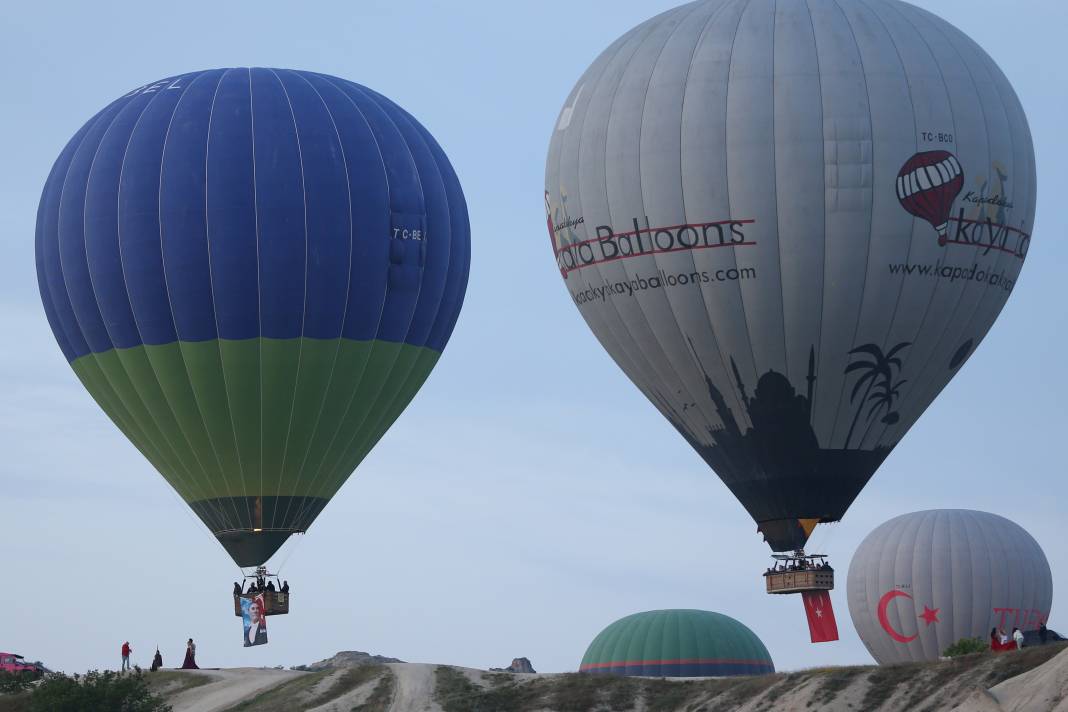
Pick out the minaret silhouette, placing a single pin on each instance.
(811, 377)
(722, 409)
(730, 425)
(741, 385)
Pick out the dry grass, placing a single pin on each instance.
(168, 683)
(382, 696)
(298, 693)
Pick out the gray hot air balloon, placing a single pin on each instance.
(922, 581)
(790, 223)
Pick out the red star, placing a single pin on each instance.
(929, 615)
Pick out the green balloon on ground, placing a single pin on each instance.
(677, 643)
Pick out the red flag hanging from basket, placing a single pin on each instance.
(822, 627)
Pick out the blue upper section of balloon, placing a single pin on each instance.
(237, 203)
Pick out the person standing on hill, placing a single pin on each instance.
(126, 650)
(190, 662)
(1018, 637)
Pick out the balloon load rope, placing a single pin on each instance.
(292, 548)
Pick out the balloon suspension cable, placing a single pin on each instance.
(296, 542)
(824, 535)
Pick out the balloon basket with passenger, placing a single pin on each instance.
(813, 577)
(799, 572)
(275, 593)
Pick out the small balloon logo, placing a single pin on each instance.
(928, 184)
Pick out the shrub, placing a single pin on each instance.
(95, 691)
(966, 646)
(12, 683)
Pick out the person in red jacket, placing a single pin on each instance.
(126, 650)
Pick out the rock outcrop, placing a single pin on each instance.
(518, 665)
(347, 658)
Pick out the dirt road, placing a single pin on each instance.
(415, 688)
(228, 687)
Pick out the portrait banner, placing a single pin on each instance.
(253, 620)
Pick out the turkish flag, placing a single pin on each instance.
(821, 625)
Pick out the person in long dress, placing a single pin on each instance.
(190, 662)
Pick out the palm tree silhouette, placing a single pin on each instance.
(876, 371)
(882, 398)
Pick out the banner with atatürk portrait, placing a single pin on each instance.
(254, 621)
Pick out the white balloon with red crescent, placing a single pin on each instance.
(922, 581)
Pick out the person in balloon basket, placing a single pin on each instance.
(126, 650)
(190, 662)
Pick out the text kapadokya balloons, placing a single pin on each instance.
(922, 581)
(789, 224)
(253, 271)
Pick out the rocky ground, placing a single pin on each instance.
(1030, 680)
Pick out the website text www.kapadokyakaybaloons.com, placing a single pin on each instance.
(951, 273)
(642, 282)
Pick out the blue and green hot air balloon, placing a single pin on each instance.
(253, 271)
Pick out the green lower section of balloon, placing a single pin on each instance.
(238, 420)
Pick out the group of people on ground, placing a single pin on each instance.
(1000, 641)
(190, 662)
(260, 585)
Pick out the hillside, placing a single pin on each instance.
(1031, 680)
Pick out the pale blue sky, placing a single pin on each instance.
(529, 495)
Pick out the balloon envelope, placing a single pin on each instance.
(253, 271)
(922, 581)
(677, 643)
(790, 223)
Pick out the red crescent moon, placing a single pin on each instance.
(885, 622)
